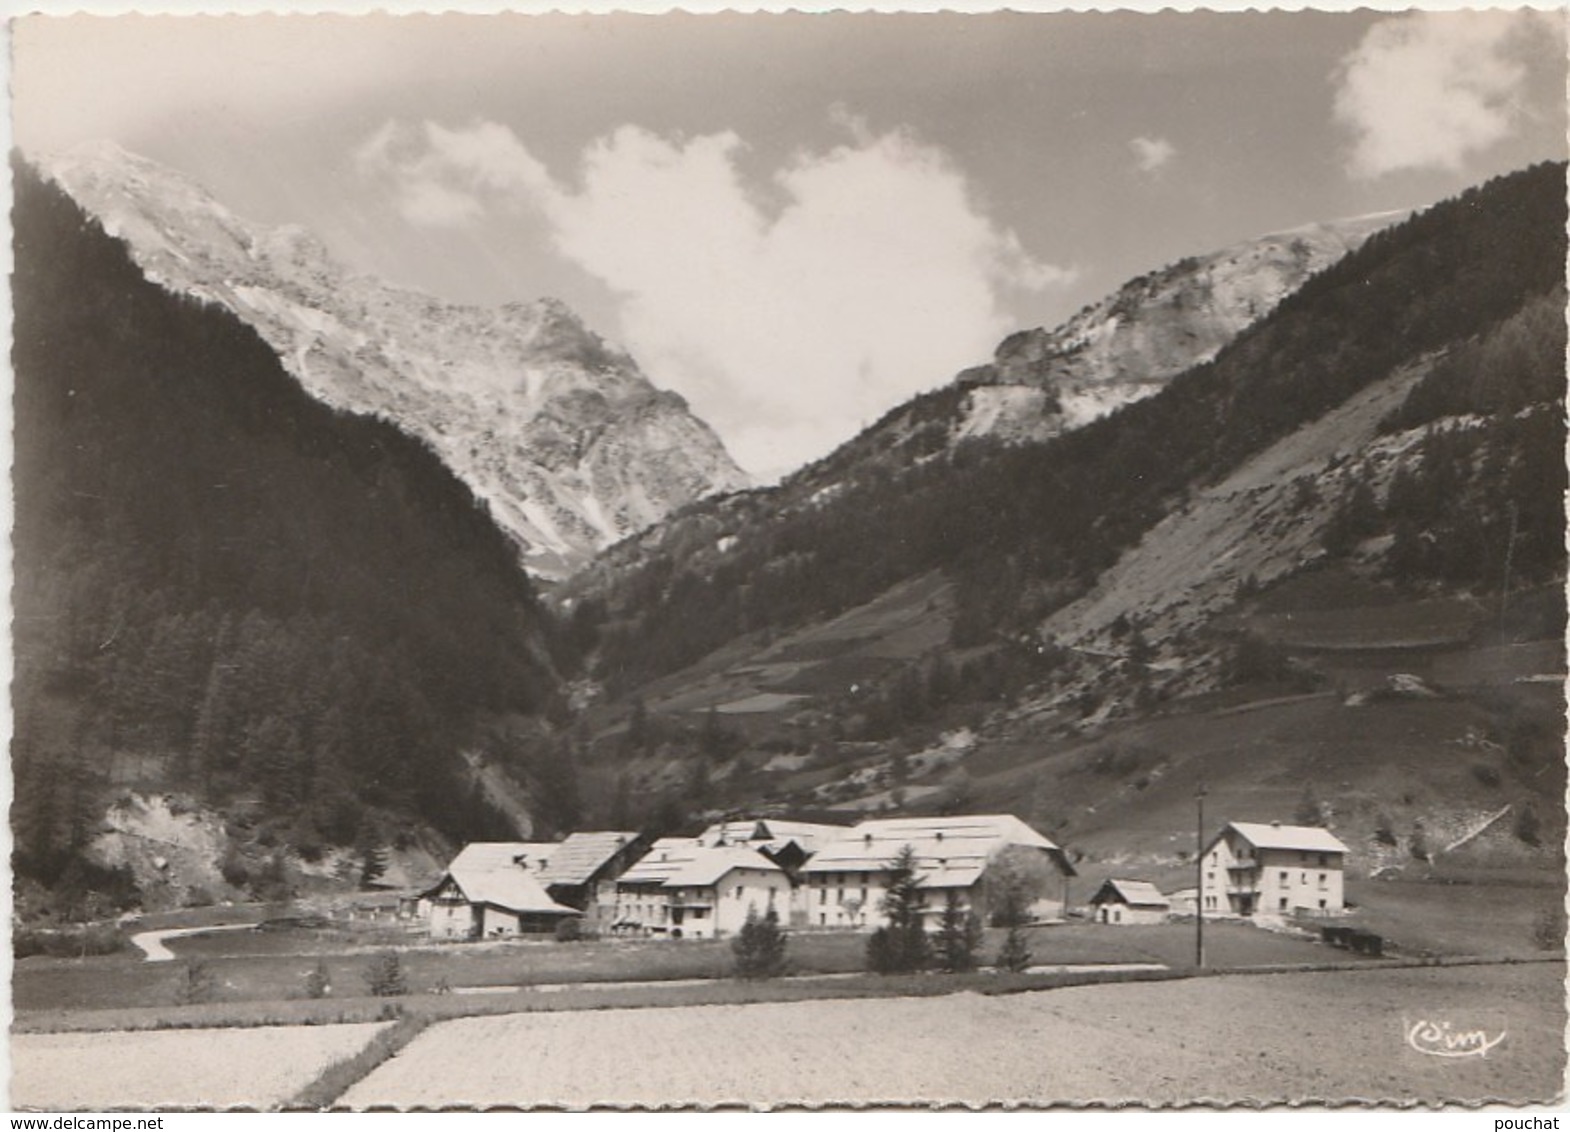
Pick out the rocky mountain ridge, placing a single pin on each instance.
(1129, 344)
(561, 435)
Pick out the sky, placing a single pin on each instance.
(799, 220)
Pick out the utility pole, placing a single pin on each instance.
(1199, 879)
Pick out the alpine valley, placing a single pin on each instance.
(1283, 520)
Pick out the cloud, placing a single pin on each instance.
(1426, 90)
(449, 178)
(1151, 154)
(790, 312)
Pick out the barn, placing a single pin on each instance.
(582, 870)
(1129, 902)
(493, 889)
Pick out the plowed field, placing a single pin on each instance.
(1267, 1038)
(235, 1068)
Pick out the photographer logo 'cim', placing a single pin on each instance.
(1438, 1038)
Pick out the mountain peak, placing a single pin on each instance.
(558, 431)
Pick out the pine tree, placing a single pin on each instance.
(759, 948)
(373, 858)
(901, 945)
(1014, 955)
(384, 976)
(959, 937)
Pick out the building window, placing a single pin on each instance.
(1321, 903)
(1324, 878)
(1283, 876)
(738, 892)
(839, 897)
(823, 896)
(1283, 903)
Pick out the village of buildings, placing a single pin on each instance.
(815, 876)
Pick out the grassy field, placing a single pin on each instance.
(44, 986)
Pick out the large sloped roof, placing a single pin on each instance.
(1270, 835)
(497, 873)
(772, 834)
(949, 850)
(664, 857)
(581, 855)
(708, 865)
(1134, 893)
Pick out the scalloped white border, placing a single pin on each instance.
(1198, 1116)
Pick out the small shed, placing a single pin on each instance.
(1129, 902)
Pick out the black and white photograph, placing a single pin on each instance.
(648, 560)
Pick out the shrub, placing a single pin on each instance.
(1548, 929)
(569, 930)
(759, 947)
(384, 976)
(197, 983)
(1385, 830)
(1417, 844)
(959, 937)
(91, 939)
(1527, 825)
(316, 983)
(1014, 955)
(235, 872)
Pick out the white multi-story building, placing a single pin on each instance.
(685, 889)
(847, 879)
(1272, 869)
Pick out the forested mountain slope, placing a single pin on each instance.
(1022, 530)
(1330, 560)
(224, 587)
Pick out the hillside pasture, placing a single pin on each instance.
(1397, 625)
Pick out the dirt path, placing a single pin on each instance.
(1331, 1036)
(152, 943)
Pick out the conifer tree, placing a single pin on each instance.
(901, 945)
(959, 937)
(759, 948)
